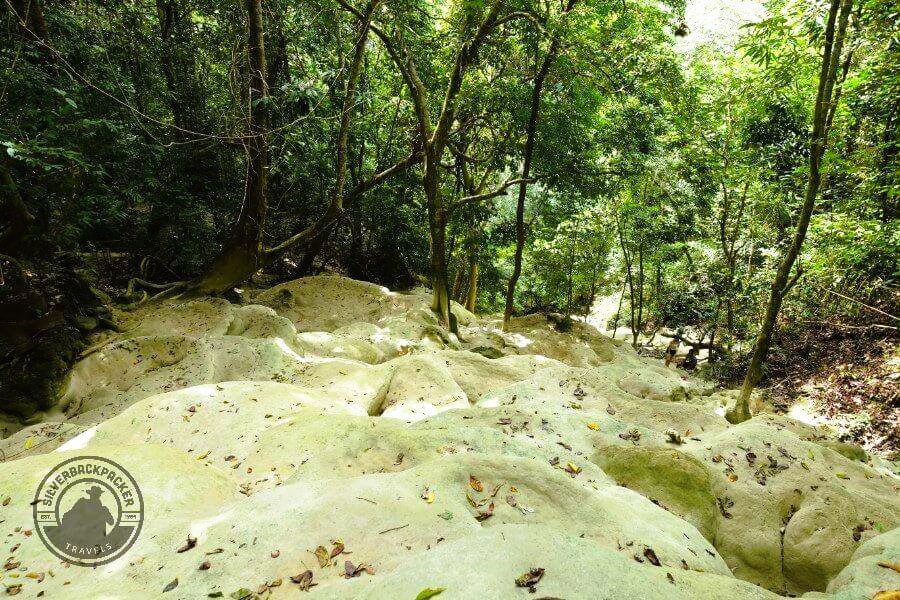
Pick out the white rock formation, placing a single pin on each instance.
(335, 410)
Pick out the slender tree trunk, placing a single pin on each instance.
(526, 170)
(640, 307)
(783, 282)
(618, 311)
(472, 295)
(242, 253)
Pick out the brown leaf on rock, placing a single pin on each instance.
(337, 549)
(304, 580)
(190, 543)
(475, 484)
(205, 565)
(610, 409)
(171, 585)
(504, 421)
(890, 565)
(650, 555)
(554, 461)
(485, 514)
(12, 590)
(530, 578)
(355, 571)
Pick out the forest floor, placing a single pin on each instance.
(847, 377)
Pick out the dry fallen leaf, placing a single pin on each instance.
(485, 514)
(322, 555)
(205, 565)
(337, 549)
(171, 585)
(475, 484)
(650, 555)
(428, 495)
(190, 543)
(530, 579)
(887, 595)
(890, 565)
(304, 580)
(593, 426)
(355, 571)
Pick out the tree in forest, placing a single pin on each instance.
(243, 248)
(433, 134)
(835, 32)
(537, 88)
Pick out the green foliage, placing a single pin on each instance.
(674, 175)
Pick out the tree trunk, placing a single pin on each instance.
(783, 282)
(472, 295)
(243, 249)
(640, 307)
(539, 79)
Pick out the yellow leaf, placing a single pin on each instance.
(29, 443)
(475, 484)
(804, 465)
(593, 426)
(887, 595)
(513, 489)
(573, 468)
(204, 455)
(841, 475)
(322, 556)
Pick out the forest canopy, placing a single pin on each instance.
(513, 156)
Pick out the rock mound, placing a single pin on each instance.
(333, 426)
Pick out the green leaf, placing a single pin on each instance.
(446, 515)
(241, 594)
(429, 593)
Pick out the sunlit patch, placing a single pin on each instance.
(287, 349)
(80, 441)
(198, 528)
(804, 412)
(520, 340)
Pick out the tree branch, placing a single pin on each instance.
(499, 191)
